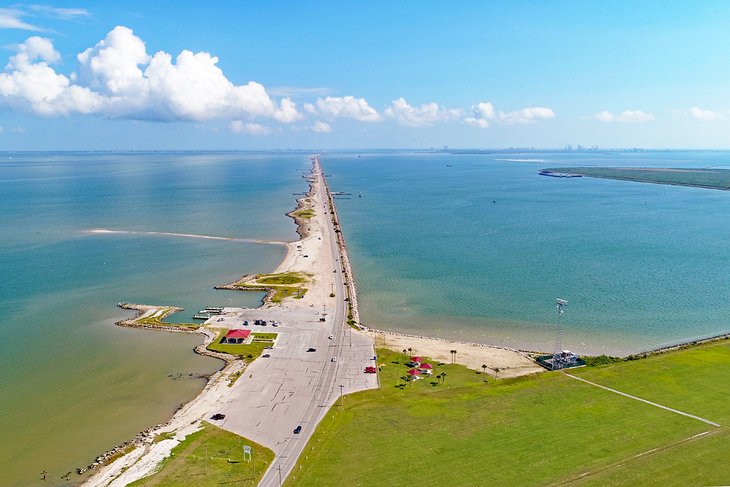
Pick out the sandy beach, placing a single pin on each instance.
(501, 362)
(317, 255)
(300, 385)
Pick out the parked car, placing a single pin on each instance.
(311, 349)
(266, 355)
(334, 359)
(218, 416)
(298, 430)
(331, 337)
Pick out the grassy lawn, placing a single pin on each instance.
(156, 319)
(687, 380)
(247, 351)
(282, 285)
(283, 278)
(307, 213)
(538, 430)
(210, 457)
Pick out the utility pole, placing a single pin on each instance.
(279, 468)
(341, 387)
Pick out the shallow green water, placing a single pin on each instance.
(73, 384)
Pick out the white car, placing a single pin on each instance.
(331, 337)
(334, 359)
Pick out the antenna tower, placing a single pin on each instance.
(560, 304)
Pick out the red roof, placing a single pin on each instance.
(426, 366)
(414, 372)
(416, 359)
(238, 334)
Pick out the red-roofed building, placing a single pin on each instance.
(426, 366)
(414, 372)
(416, 359)
(237, 336)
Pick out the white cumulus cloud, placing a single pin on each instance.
(526, 115)
(426, 114)
(628, 116)
(344, 107)
(321, 127)
(118, 78)
(482, 113)
(240, 127)
(706, 115)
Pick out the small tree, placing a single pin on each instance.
(453, 356)
(443, 376)
(484, 368)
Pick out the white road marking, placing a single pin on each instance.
(676, 411)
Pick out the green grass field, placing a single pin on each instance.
(210, 457)
(543, 430)
(305, 213)
(693, 380)
(283, 285)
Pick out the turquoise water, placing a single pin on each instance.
(481, 249)
(464, 246)
(73, 384)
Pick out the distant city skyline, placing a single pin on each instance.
(255, 75)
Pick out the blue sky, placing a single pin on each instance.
(365, 74)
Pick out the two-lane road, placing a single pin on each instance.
(326, 390)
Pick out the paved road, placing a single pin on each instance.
(295, 387)
(325, 389)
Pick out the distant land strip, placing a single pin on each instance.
(692, 177)
(106, 231)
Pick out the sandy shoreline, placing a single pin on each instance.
(301, 255)
(146, 454)
(304, 255)
(501, 362)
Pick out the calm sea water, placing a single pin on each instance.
(477, 247)
(473, 247)
(72, 383)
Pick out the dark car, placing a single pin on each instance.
(311, 349)
(298, 430)
(218, 416)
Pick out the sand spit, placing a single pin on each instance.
(146, 454)
(106, 231)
